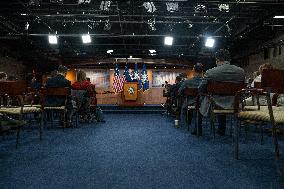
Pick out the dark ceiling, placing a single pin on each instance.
(135, 27)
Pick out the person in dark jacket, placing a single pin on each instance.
(59, 81)
(194, 82)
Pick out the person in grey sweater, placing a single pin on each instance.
(223, 72)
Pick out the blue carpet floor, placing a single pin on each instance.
(133, 151)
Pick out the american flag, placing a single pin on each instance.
(117, 81)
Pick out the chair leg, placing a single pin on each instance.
(41, 126)
(212, 124)
(261, 132)
(18, 136)
(236, 138)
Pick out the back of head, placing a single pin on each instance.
(3, 76)
(198, 68)
(265, 66)
(62, 70)
(81, 76)
(222, 55)
(178, 79)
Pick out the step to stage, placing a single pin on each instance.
(142, 109)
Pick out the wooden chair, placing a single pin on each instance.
(223, 89)
(61, 92)
(272, 82)
(13, 92)
(192, 93)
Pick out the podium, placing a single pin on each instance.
(130, 91)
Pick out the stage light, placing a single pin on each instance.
(172, 7)
(278, 17)
(168, 40)
(109, 51)
(224, 7)
(152, 51)
(149, 6)
(86, 38)
(209, 42)
(52, 39)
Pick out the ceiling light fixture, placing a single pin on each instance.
(86, 38)
(152, 51)
(209, 42)
(168, 40)
(278, 17)
(52, 39)
(109, 51)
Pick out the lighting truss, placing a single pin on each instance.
(172, 7)
(149, 6)
(56, 1)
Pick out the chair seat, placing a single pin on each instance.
(17, 111)
(34, 105)
(54, 107)
(191, 108)
(263, 115)
(223, 111)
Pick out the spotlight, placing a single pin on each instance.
(109, 51)
(209, 42)
(224, 7)
(52, 39)
(105, 5)
(172, 7)
(149, 6)
(86, 38)
(84, 2)
(168, 40)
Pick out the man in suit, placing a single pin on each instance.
(59, 81)
(223, 72)
(189, 100)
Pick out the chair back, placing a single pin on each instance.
(224, 88)
(60, 91)
(257, 85)
(190, 91)
(12, 88)
(273, 80)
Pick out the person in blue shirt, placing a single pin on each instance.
(194, 82)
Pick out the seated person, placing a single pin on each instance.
(191, 83)
(83, 90)
(262, 99)
(58, 80)
(3, 76)
(174, 100)
(223, 72)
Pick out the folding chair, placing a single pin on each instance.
(272, 81)
(223, 89)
